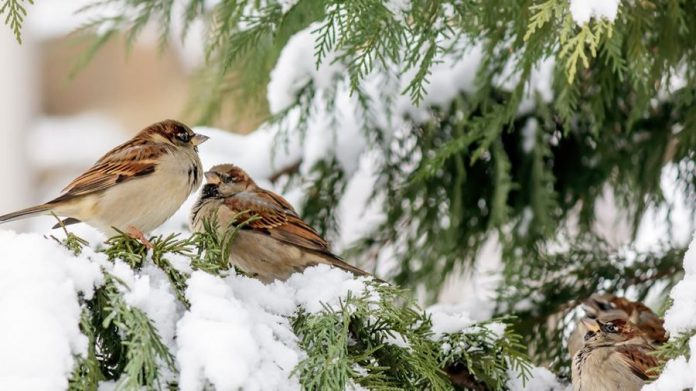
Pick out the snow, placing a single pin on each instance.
(237, 333)
(583, 10)
(296, 67)
(529, 134)
(150, 292)
(448, 318)
(40, 312)
(541, 380)
(285, 5)
(398, 8)
(680, 319)
(677, 375)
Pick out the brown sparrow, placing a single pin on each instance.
(135, 187)
(609, 305)
(274, 242)
(616, 356)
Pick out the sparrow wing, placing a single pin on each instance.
(639, 360)
(277, 218)
(128, 161)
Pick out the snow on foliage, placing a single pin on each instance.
(680, 319)
(39, 310)
(583, 10)
(541, 380)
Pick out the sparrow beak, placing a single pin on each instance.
(198, 139)
(591, 324)
(212, 178)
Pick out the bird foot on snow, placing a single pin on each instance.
(139, 236)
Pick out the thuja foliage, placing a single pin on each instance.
(351, 344)
(504, 160)
(377, 338)
(14, 12)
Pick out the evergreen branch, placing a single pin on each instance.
(16, 12)
(541, 14)
(87, 372)
(372, 340)
(145, 350)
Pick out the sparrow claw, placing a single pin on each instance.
(139, 236)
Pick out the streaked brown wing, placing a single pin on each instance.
(121, 164)
(275, 217)
(639, 360)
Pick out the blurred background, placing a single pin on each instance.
(58, 117)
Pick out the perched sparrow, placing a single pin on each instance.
(274, 242)
(609, 305)
(135, 187)
(615, 356)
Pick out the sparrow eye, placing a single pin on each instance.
(610, 328)
(183, 136)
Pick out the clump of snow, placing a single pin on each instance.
(448, 318)
(296, 67)
(529, 134)
(285, 5)
(321, 286)
(237, 333)
(216, 338)
(398, 8)
(678, 374)
(681, 318)
(541, 379)
(40, 312)
(151, 292)
(583, 10)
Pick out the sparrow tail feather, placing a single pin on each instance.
(24, 213)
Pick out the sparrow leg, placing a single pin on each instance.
(139, 236)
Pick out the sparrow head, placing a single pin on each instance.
(174, 133)
(609, 330)
(227, 179)
(642, 317)
(603, 304)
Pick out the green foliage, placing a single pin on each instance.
(14, 12)
(677, 346)
(87, 373)
(377, 338)
(327, 189)
(142, 344)
(349, 344)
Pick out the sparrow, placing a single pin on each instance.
(615, 356)
(273, 242)
(609, 305)
(135, 187)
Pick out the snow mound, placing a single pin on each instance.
(680, 374)
(541, 379)
(237, 334)
(583, 10)
(40, 312)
